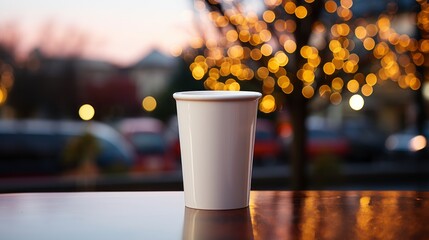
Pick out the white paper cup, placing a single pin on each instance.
(217, 135)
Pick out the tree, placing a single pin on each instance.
(9, 40)
(44, 82)
(296, 51)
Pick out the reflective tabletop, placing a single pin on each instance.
(162, 215)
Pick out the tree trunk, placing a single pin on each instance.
(299, 155)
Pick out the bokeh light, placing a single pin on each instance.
(86, 112)
(149, 103)
(301, 12)
(3, 95)
(267, 104)
(417, 143)
(331, 6)
(356, 102)
(351, 54)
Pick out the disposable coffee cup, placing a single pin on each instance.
(217, 135)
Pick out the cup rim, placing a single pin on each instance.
(211, 95)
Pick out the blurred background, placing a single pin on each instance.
(86, 90)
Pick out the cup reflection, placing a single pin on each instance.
(215, 224)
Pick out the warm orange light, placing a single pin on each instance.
(219, 86)
(273, 65)
(417, 143)
(282, 58)
(232, 36)
(360, 32)
(290, 7)
(337, 83)
(350, 67)
(273, 3)
(266, 49)
(290, 25)
(353, 86)
(368, 43)
(306, 51)
(314, 62)
(383, 23)
(338, 63)
(418, 59)
(198, 72)
(301, 12)
(232, 85)
(335, 98)
(371, 79)
(329, 68)
(308, 76)
(324, 90)
(196, 42)
(268, 16)
(267, 104)
(415, 83)
(262, 72)
(280, 25)
(424, 45)
(334, 46)
(380, 50)
(366, 90)
(256, 54)
(3, 95)
(255, 39)
(346, 3)
(235, 51)
(308, 91)
(210, 83)
(149, 103)
(288, 89)
(290, 46)
(265, 35)
(221, 21)
(330, 6)
(269, 82)
(214, 73)
(244, 35)
(342, 29)
(283, 81)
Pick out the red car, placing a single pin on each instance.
(150, 145)
(323, 142)
(267, 145)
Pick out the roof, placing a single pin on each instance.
(155, 59)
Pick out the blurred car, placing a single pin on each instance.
(267, 144)
(326, 142)
(147, 137)
(172, 136)
(42, 147)
(407, 144)
(366, 141)
(321, 142)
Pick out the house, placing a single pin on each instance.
(152, 74)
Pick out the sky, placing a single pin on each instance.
(118, 31)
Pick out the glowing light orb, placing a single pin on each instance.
(86, 112)
(356, 102)
(149, 103)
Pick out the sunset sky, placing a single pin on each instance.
(117, 31)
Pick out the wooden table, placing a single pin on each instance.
(162, 215)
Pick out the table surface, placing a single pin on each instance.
(162, 215)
